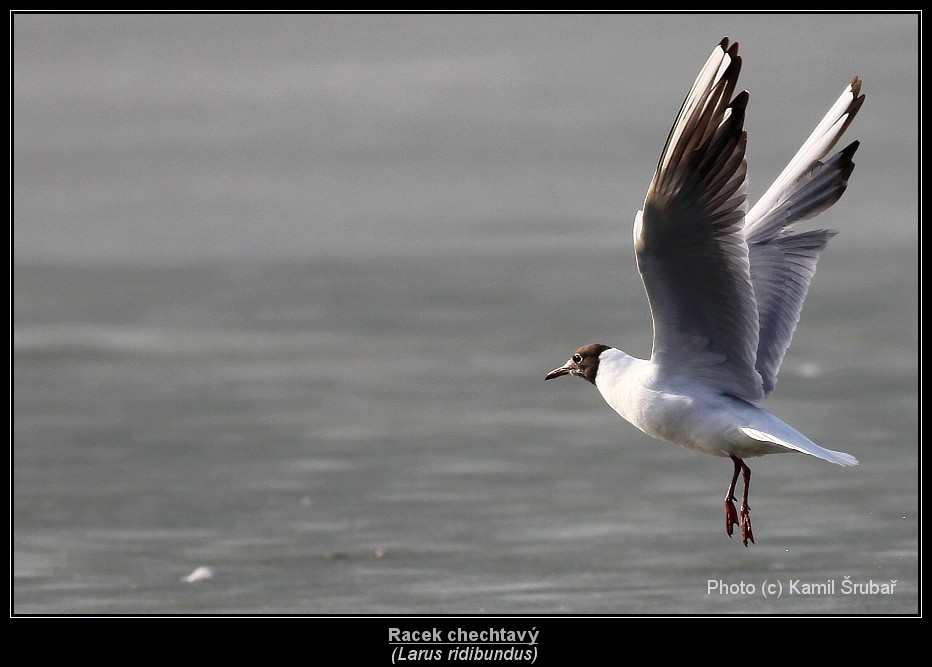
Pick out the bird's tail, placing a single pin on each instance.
(790, 438)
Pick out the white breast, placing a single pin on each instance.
(686, 416)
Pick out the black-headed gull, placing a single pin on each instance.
(725, 284)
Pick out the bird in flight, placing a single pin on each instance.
(725, 284)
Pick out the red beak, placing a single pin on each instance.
(557, 372)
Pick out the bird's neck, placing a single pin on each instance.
(615, 365)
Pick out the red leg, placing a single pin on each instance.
(731, 514)
(746, 532)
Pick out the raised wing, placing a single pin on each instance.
(807, 187)
(783, 263)
(690, 243)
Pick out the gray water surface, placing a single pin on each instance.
(376, 437)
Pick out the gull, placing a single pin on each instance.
(725, 284)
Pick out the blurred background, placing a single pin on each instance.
(285, 288)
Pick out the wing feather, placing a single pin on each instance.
(783, 262)
(690, 243)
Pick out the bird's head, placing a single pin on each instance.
(584, 363)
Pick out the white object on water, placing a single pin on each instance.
(200, 574)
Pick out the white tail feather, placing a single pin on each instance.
(806, 447)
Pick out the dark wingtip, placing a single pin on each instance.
(855, 105)
(849, 150)
(856, 86)
(728, 46)
(846, 162)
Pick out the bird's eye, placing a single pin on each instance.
(577, 358)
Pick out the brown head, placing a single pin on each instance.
(584, 363)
